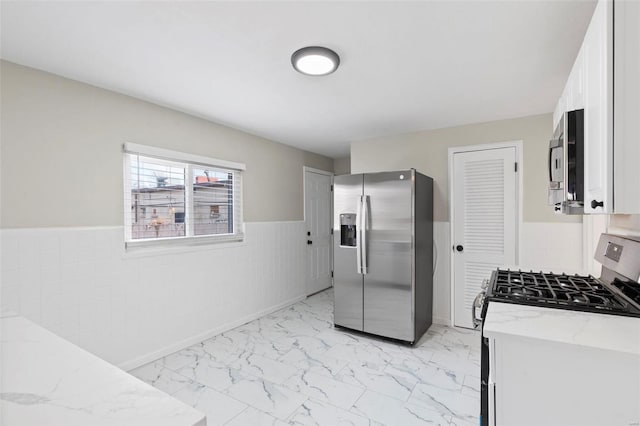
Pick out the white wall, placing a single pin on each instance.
(131, 309)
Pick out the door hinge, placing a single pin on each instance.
(331, 187)
(331, 231)
(515, 167)
(331, 274)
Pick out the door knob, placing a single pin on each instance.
(459, 247)
(595, 204)
(309, 242)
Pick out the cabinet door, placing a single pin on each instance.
(576, 82)
(627, 107)
(562, 106)
(552, 375)
(567, 97)
(573, 94)
(557, 113)
(598, 47)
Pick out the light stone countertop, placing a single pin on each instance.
(603, 331)
(45, 380)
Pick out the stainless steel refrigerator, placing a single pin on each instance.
(383, 253)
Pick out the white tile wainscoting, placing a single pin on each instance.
(543, 245)
(129, 308)
(553, 247)
(133, 308)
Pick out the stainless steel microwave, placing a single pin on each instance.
(566, 164)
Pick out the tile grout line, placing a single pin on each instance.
(237, 415)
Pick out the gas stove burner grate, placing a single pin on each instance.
(628, 288)
(555, 290)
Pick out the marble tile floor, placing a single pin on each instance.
(293, 367)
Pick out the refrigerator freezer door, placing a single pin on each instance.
(388, 289)
(347, 279)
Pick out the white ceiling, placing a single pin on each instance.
(405, 66)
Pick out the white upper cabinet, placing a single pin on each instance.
(605, 81)
(561, 107)
(598, 136)
(573, 95)
(626, 107)
(576, 98)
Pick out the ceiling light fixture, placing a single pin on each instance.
(315, 60)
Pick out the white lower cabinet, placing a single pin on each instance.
(558, 367)
(537, 382)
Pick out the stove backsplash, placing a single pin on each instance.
(625, 224)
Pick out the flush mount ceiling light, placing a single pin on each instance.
(315, 60)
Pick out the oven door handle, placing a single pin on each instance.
(477, 303)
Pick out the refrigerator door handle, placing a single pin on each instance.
(365, 223)
(359, 237)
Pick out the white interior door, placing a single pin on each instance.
(317, 202)
(485, 191)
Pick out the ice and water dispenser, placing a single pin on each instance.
(348, 230)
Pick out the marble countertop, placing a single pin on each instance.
(45, 380)
(609, 332)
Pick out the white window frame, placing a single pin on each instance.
(189, 161)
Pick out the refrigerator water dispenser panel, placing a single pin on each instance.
(348, 230)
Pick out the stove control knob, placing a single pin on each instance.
(485, 284)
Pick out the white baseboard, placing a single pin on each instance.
(168, 350)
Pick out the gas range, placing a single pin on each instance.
(615, 292)
(563, 291)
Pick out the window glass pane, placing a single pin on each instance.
(173, 198)
(212, 201)
(157, 199)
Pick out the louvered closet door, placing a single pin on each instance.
(485, 221)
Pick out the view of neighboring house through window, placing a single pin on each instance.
(212, 202)
(173, 195)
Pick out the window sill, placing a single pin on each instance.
(162, 246)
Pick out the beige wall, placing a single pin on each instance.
(342, 166)
(61, 153)
(428, 152)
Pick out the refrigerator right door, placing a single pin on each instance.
(387, 255)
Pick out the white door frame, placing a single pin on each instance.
(519, 192)
(306, 169)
